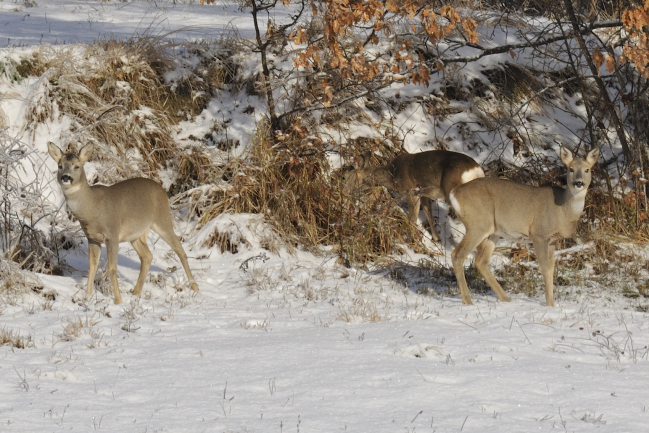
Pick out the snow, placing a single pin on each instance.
(288, 342)
(64, 21)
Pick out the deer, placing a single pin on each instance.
(492, 208)
(123, 212)
(419, 177)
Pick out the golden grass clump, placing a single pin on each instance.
(9, 337)
(288, 182)
(115, 95)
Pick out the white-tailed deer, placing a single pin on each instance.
(429, 175)
(494, 208)
(124, 212)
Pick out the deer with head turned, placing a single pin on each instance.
(123, 212)
(494, 208)
(419, 177)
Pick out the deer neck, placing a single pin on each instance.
(572, 202)
(79, 197)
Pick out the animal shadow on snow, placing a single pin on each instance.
(434, 279)
(125, 263)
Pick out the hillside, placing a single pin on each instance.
(320, 308)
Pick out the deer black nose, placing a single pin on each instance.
(66, 179)
(579, 184)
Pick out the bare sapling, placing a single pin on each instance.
(419, 177)
(494, 208)
(124, 212)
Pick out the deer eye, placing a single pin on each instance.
(76, 167)
(588, 170)
(60, 167)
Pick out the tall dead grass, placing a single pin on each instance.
(289, 183)
(115, 96)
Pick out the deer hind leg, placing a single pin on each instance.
(482, 258)
(146, 257)
(112, 248)
(94, 253)
(166, 231)
(468, 243)
(427, 205)
(545, 256)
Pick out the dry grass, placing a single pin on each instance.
(14, 280)
(13, 339)
(115, 95)
(289, 184)
(362, 311)
(78, 327)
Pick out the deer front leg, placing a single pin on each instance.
(414, 201)
(94, 253)
(545, 256)
(112, 248)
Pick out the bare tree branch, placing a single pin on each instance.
(530, 44)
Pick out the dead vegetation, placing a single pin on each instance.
(115, 95)
(9, 337)
(290, 184)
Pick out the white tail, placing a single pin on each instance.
(429, 175)
(124, 212)
(494, 208)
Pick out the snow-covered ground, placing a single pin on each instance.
(296, 342)
(64, 21)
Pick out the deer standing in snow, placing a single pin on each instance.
(494, 208)
(123, 212)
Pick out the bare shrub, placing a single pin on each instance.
(24, 233)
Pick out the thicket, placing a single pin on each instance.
(347, 52)
(324, 75)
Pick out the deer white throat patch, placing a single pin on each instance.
(578, 201)
(72, 189)
(577, 204)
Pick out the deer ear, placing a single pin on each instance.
(566, 155)
(55, 152)
(85, 153)
(593, 156)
